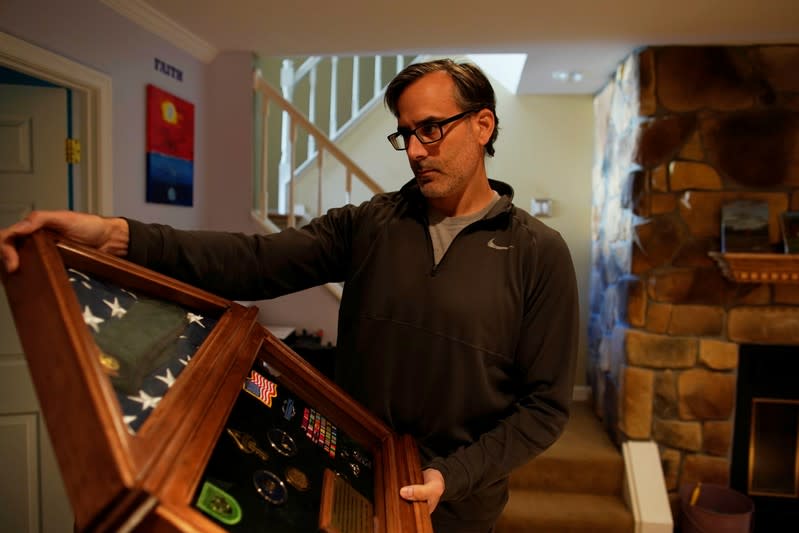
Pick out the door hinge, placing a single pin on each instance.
(73, 151)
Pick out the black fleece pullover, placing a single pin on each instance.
(474, 356)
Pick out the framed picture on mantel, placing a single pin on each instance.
(745, 227)
(789, 225)
(171, 409)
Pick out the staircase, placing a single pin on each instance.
(300, 144)
(574, 486)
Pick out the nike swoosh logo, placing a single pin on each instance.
(495, 246)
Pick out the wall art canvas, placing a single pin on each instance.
(170, 148)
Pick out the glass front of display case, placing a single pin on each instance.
(267, 471)
(145, 343)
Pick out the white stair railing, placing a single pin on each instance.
(299, 148)
(294, 122)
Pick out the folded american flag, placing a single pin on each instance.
(144, 342)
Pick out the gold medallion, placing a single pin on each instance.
(297, 479)
(109, 364)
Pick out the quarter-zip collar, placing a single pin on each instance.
(418, 203)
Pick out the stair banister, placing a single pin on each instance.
(378, 82)
(298, 120)
(312, 108)
(289, 169)
(333, 129)
(355, 104)
(293, 145)
(286, 167)
(262, 202)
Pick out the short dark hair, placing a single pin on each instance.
(473, 91)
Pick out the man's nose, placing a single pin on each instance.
(415, 148)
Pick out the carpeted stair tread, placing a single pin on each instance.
(574, 486)
(582, 460)
(559, 512)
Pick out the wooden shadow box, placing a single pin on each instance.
(171, 409)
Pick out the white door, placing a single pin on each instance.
(33, 175)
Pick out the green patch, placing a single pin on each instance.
(219, 504)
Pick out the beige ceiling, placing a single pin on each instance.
(586, 35)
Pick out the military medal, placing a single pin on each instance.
(270, 487)
(297, 479)
(282, 442)
(247, 444)
(361, 458)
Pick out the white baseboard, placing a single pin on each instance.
(581, 393)
(645, 488)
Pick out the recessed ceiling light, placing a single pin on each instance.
(574, 76)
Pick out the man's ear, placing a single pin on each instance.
(485, 124)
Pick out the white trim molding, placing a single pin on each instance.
(152, 20)
(581, 393)
(645, 487)
(97, 116)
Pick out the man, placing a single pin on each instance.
(459, 316)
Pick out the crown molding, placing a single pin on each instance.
(149, 18)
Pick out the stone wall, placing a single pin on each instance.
(681, 131)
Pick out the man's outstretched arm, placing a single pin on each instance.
(109, 235)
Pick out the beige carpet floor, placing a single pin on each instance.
(575, 486)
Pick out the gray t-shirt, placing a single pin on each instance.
(444, 229)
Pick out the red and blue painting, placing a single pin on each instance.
(170, 148)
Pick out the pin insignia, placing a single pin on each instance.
(247, 444)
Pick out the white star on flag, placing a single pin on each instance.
(128, 420)
(84, 282)
(117, 311)
(192, 318)
(185, 361)
(91, 320)
(79, 273)
(130, 294)
(167, 378)
(146, 401)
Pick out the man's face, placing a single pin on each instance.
(445, 168)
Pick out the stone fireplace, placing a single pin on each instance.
(764, 446)
(680, 132)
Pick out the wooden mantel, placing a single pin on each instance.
(743, 267)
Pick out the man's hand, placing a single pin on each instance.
(430, 492)
(107, 234)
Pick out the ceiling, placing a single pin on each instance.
(588, 36)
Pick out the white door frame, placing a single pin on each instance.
(96, 113)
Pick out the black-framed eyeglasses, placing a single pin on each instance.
(427, 133)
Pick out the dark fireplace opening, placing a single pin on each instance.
(765, 448)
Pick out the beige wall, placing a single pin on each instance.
(545, 150)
